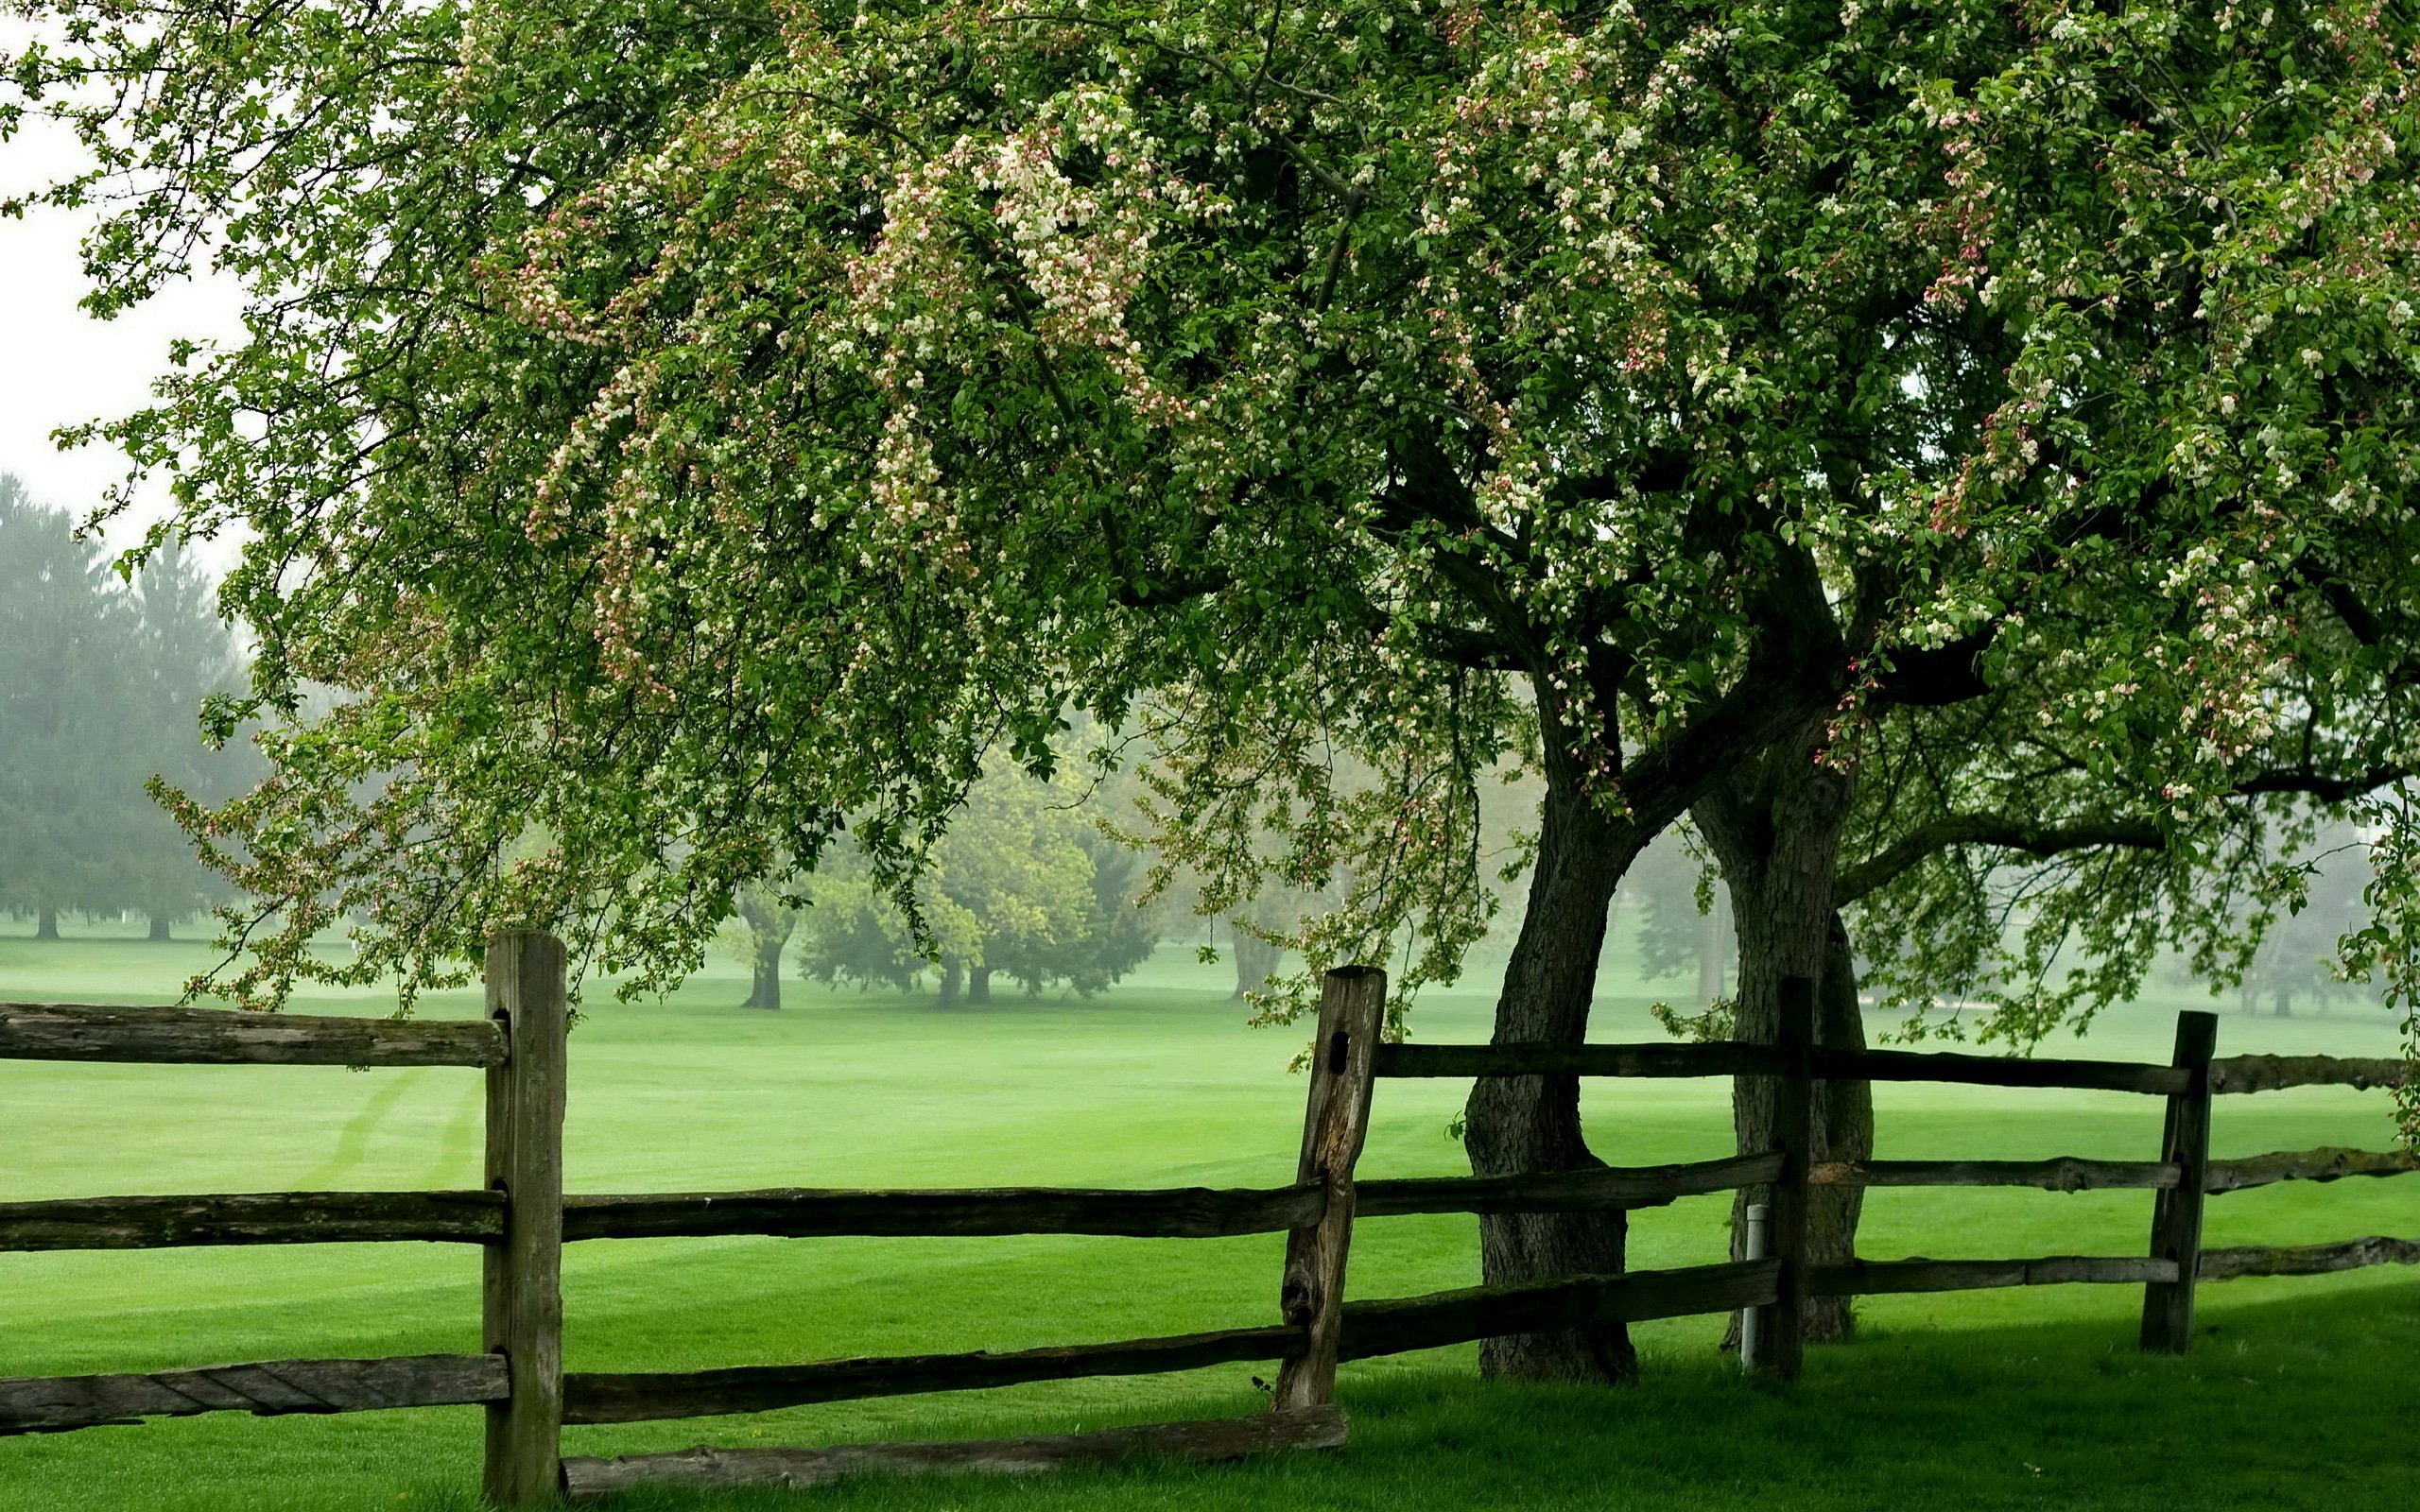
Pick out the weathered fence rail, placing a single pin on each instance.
(524, 1218)
(49, 1404)
(213, 1037)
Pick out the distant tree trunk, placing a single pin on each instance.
(770, 927)
(953, 979)
(1256, 961)
(1714, 948)
(47, 923)
(2284, 1004)
(765, 985)
(1775, 828)
(160, 935)
(1533, 1122)
(978, 985)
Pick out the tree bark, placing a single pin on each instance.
(770, 927)
(1776, 827)
(47, 923)
(953, 979)
(764, 988)
(1843, 1131)
(978, 985)
(1531, 1123)
(160, 935)
(1255, 961)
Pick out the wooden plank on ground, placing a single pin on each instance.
(252, 1218)
(1178, 1213)
(52, 1404)
(1876, 1277)
(73, 1031)
(598, 1396)
(707, 1468)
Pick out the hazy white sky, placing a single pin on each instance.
(57, 365)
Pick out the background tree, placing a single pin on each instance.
(65, 792)
(1024, 885)
(1681, 919)
(101, 690)
(2300, 956)
(182, 658)
(770, 920)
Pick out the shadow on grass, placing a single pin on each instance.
(2287, 1403)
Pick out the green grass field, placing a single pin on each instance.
(2296, 1394)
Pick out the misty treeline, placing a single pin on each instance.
(101, 683)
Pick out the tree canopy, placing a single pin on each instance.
(681, 430)
(1024, 886)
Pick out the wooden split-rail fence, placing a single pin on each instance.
(523, 1218)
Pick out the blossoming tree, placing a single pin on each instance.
(680, 429)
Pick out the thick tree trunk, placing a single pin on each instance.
(764, 988)
(978, 985)
(2284, 1004)
(1256, 961)
(160, 935)
(1533, 1122)
(953, 978)
(1775, 828)
(770, 927)
(1843, 1131)
(47, 923)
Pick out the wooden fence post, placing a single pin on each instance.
(2176, 1211)
(521, 1294)
(1352, 1004)
(1782, 1336)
